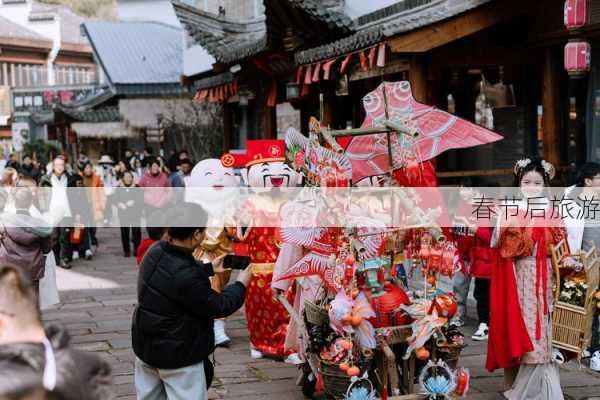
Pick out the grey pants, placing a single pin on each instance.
(461, 284)
(187, 383)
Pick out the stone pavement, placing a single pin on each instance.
(98, 299)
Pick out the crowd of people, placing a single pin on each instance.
(180, 312)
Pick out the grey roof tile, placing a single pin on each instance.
(138, 52)
(396, 19)
(102, 114)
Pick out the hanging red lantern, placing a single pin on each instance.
(576, 14)
(578, 57)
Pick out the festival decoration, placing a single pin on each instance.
(428, 132)
(578, 55)
(576, 14)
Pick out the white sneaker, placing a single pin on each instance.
(558, 357)
(481, 333)
(595, 361)
(75, 255)
(293, 359)
(221, 338)
(88, 254)
(255, 354)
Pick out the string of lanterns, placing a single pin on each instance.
(578, 52)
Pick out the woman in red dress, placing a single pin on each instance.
(520, 338)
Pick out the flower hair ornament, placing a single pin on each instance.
(549, 169)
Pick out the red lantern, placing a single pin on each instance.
(387, 305)
(576, 14)
(578, 57)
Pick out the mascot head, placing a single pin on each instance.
(213, 186)
(264, 165)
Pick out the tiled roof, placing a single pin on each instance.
(70, 23)
(229, 40)
(224, 39)
(317, 9)
(11, 30)
(103, 114)
(137, 52)
(390, 21)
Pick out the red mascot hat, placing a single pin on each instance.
(257, 151)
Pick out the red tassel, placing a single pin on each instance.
(327, 68)
(317, 71)
(305, 90)
(234, 87)
(381, 55)
(308, 76)
(372, 53)
(299, 74)
(363, 61)
(344, 65)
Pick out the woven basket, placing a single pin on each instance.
(335, 381)
(315, 314)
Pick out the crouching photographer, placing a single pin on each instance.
(173, 323)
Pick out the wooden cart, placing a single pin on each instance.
(571, 324)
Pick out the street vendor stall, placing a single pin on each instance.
(364, 332)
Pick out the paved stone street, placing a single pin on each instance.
(98, 299)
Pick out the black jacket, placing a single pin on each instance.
(80, 375)
(173, 322)
(132, 215)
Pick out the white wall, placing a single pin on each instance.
(147, 10)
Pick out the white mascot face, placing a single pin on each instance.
(213, 186)
(274, 174)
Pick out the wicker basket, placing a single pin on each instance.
(571, 324)
(335, 381)
(315, 314)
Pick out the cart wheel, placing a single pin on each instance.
(309, 385)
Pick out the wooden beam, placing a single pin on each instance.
(550, 102)
(417, 76)
(441, 33)
(391, 67)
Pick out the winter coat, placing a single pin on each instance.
(80, 375)
(24, 242)
(173, 322)
(132, 215)
(30, 172)
(482, 255)
(155, 197)
(98, 198)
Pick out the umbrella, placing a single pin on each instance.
(438, 131)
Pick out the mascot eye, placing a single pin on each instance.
(227, 174)
(208, 173)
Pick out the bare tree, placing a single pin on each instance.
(197, 128)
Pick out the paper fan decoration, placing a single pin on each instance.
(438, 131)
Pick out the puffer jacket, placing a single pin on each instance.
(173, 322)
(80, 375)
(482, 255)
(24, 243)
(157, 189)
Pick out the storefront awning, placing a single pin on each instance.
(102, 130)
(146, 113)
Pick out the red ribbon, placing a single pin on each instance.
(541, 276)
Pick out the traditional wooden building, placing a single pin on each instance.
(323, 57)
